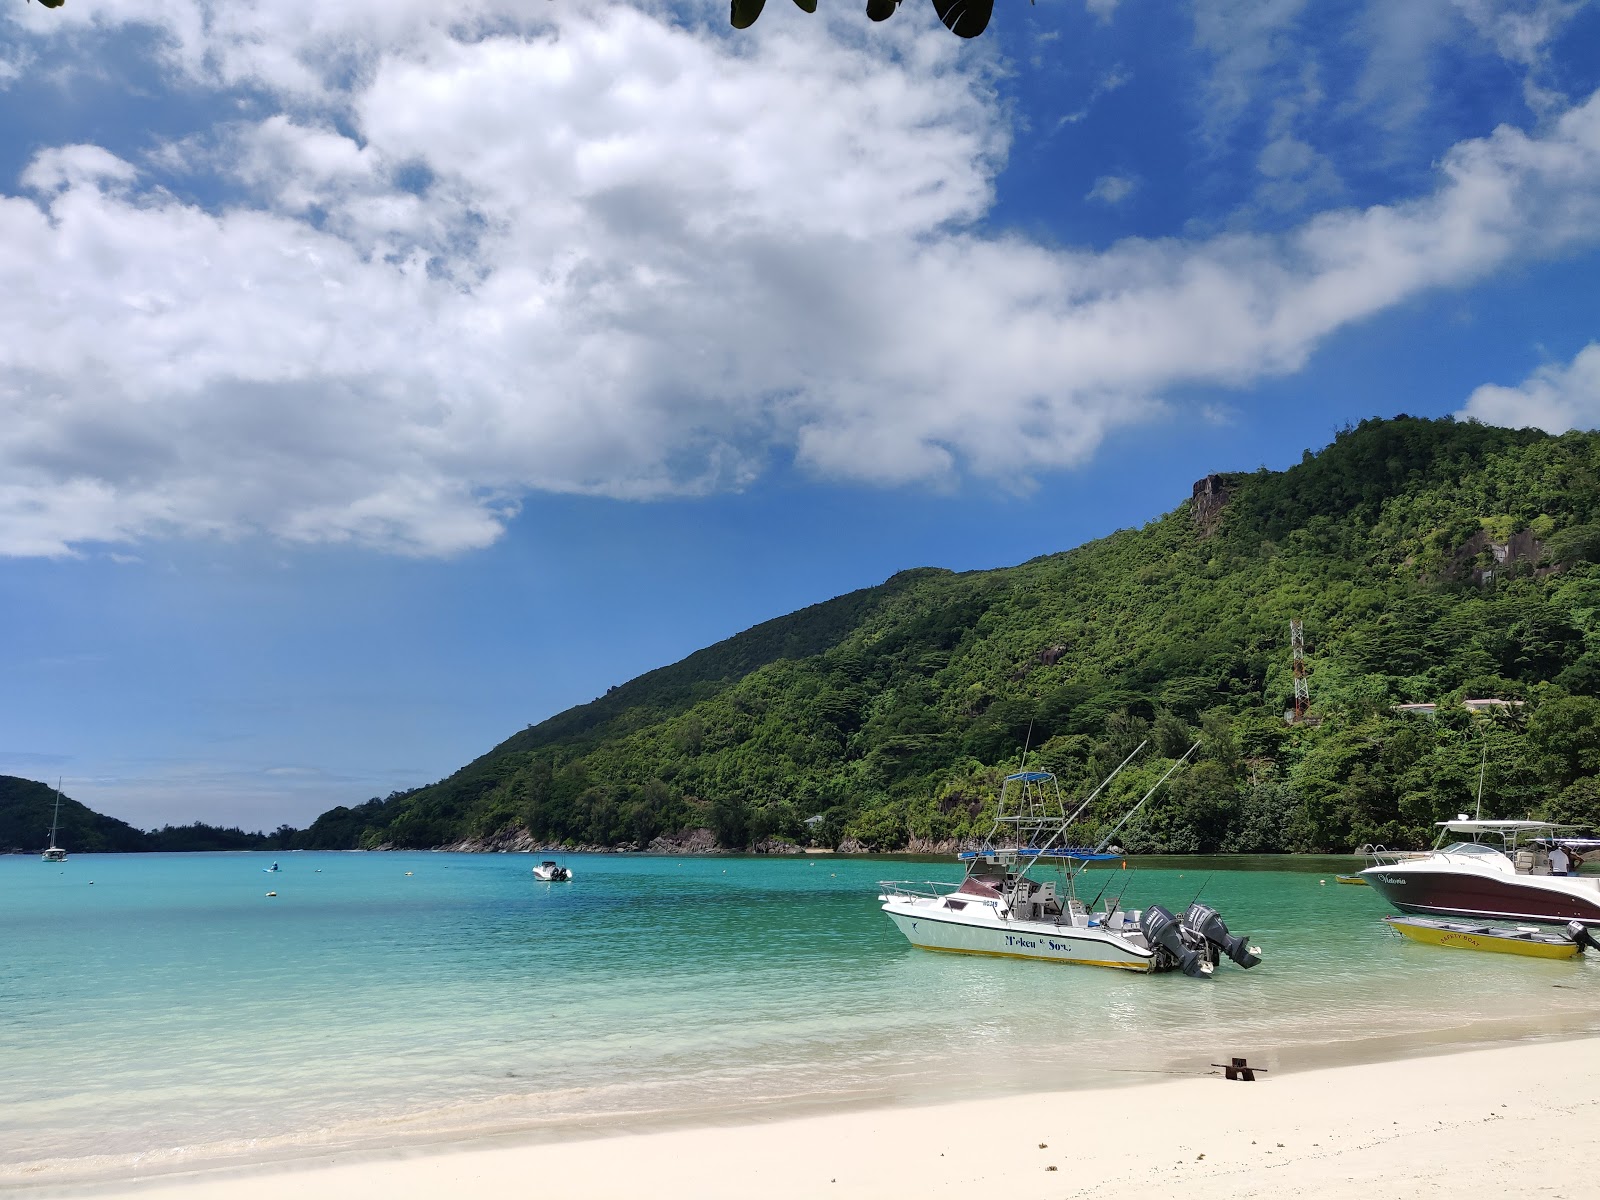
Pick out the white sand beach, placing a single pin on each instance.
(1513, 1120)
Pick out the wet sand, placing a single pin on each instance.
(1509, 1120)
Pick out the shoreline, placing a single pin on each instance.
(563, 1143)
(1337, 1131)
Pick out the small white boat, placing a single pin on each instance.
(1002, 907)
(550, 871)
(53, 852)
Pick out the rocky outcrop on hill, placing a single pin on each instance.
(776, 846)
(1210, 498)
(512, 840)
(921, 845)
(685, 841)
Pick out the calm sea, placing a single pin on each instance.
(162, 1010)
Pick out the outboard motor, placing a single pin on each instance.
(1162, 931)
(1208, 923)
(1579, 932)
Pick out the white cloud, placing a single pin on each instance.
(1555, 397)
(1111, 189)
(620, 256)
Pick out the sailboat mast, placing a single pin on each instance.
(55, 817)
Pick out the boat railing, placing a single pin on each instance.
(909, 889)
(1382, 856)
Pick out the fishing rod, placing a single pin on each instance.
(1102, 891)
(1106, 841)
(1202, 887)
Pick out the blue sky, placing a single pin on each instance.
(381, 377)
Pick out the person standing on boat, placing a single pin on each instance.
(1559, 861)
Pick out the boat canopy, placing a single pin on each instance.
(1029, 777)
(1462, 825)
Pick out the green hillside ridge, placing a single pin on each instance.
(26, 807)
(891, 713)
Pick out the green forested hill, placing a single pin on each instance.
(26, 807)
(1429, 560)
(25, 811)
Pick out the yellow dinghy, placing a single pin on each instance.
(1354, 880)
(1496, 939)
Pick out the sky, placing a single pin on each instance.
(379, 377)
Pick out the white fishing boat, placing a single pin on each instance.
(1019, 897)
(550, 871)
(53, 852)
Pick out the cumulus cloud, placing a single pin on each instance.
(1554, 398)
(619, 255)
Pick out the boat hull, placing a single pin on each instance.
(1020, 939)
(1467, 937)
(1415, 889)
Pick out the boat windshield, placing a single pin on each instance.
(1470, 848)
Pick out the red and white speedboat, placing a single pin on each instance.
(1491, 869)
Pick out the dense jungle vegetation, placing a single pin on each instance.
(1430, 561)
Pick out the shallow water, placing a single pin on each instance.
(158, 1010)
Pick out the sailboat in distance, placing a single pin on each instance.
(53, 852)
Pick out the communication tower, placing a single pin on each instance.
(1297, 650)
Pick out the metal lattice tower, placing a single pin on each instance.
(1297, 650)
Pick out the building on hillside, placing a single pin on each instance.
(1477, 706)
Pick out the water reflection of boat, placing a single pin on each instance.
(1496, 939)
(1019, 897)
(1497, 869)
(550, 871)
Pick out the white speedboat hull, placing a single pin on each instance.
(928, 926)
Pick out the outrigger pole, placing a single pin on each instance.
(1082, 807)
(1106, 841)
(1067, 824)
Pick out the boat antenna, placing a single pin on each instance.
(1027, 742)
(1482, 766)
(1106, 841)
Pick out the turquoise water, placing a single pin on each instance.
(161, 1010)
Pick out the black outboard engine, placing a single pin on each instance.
(1579, 932)
(1162, 931)
(1208, 923)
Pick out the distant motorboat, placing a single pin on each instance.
(52, 852)
(550, 871)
